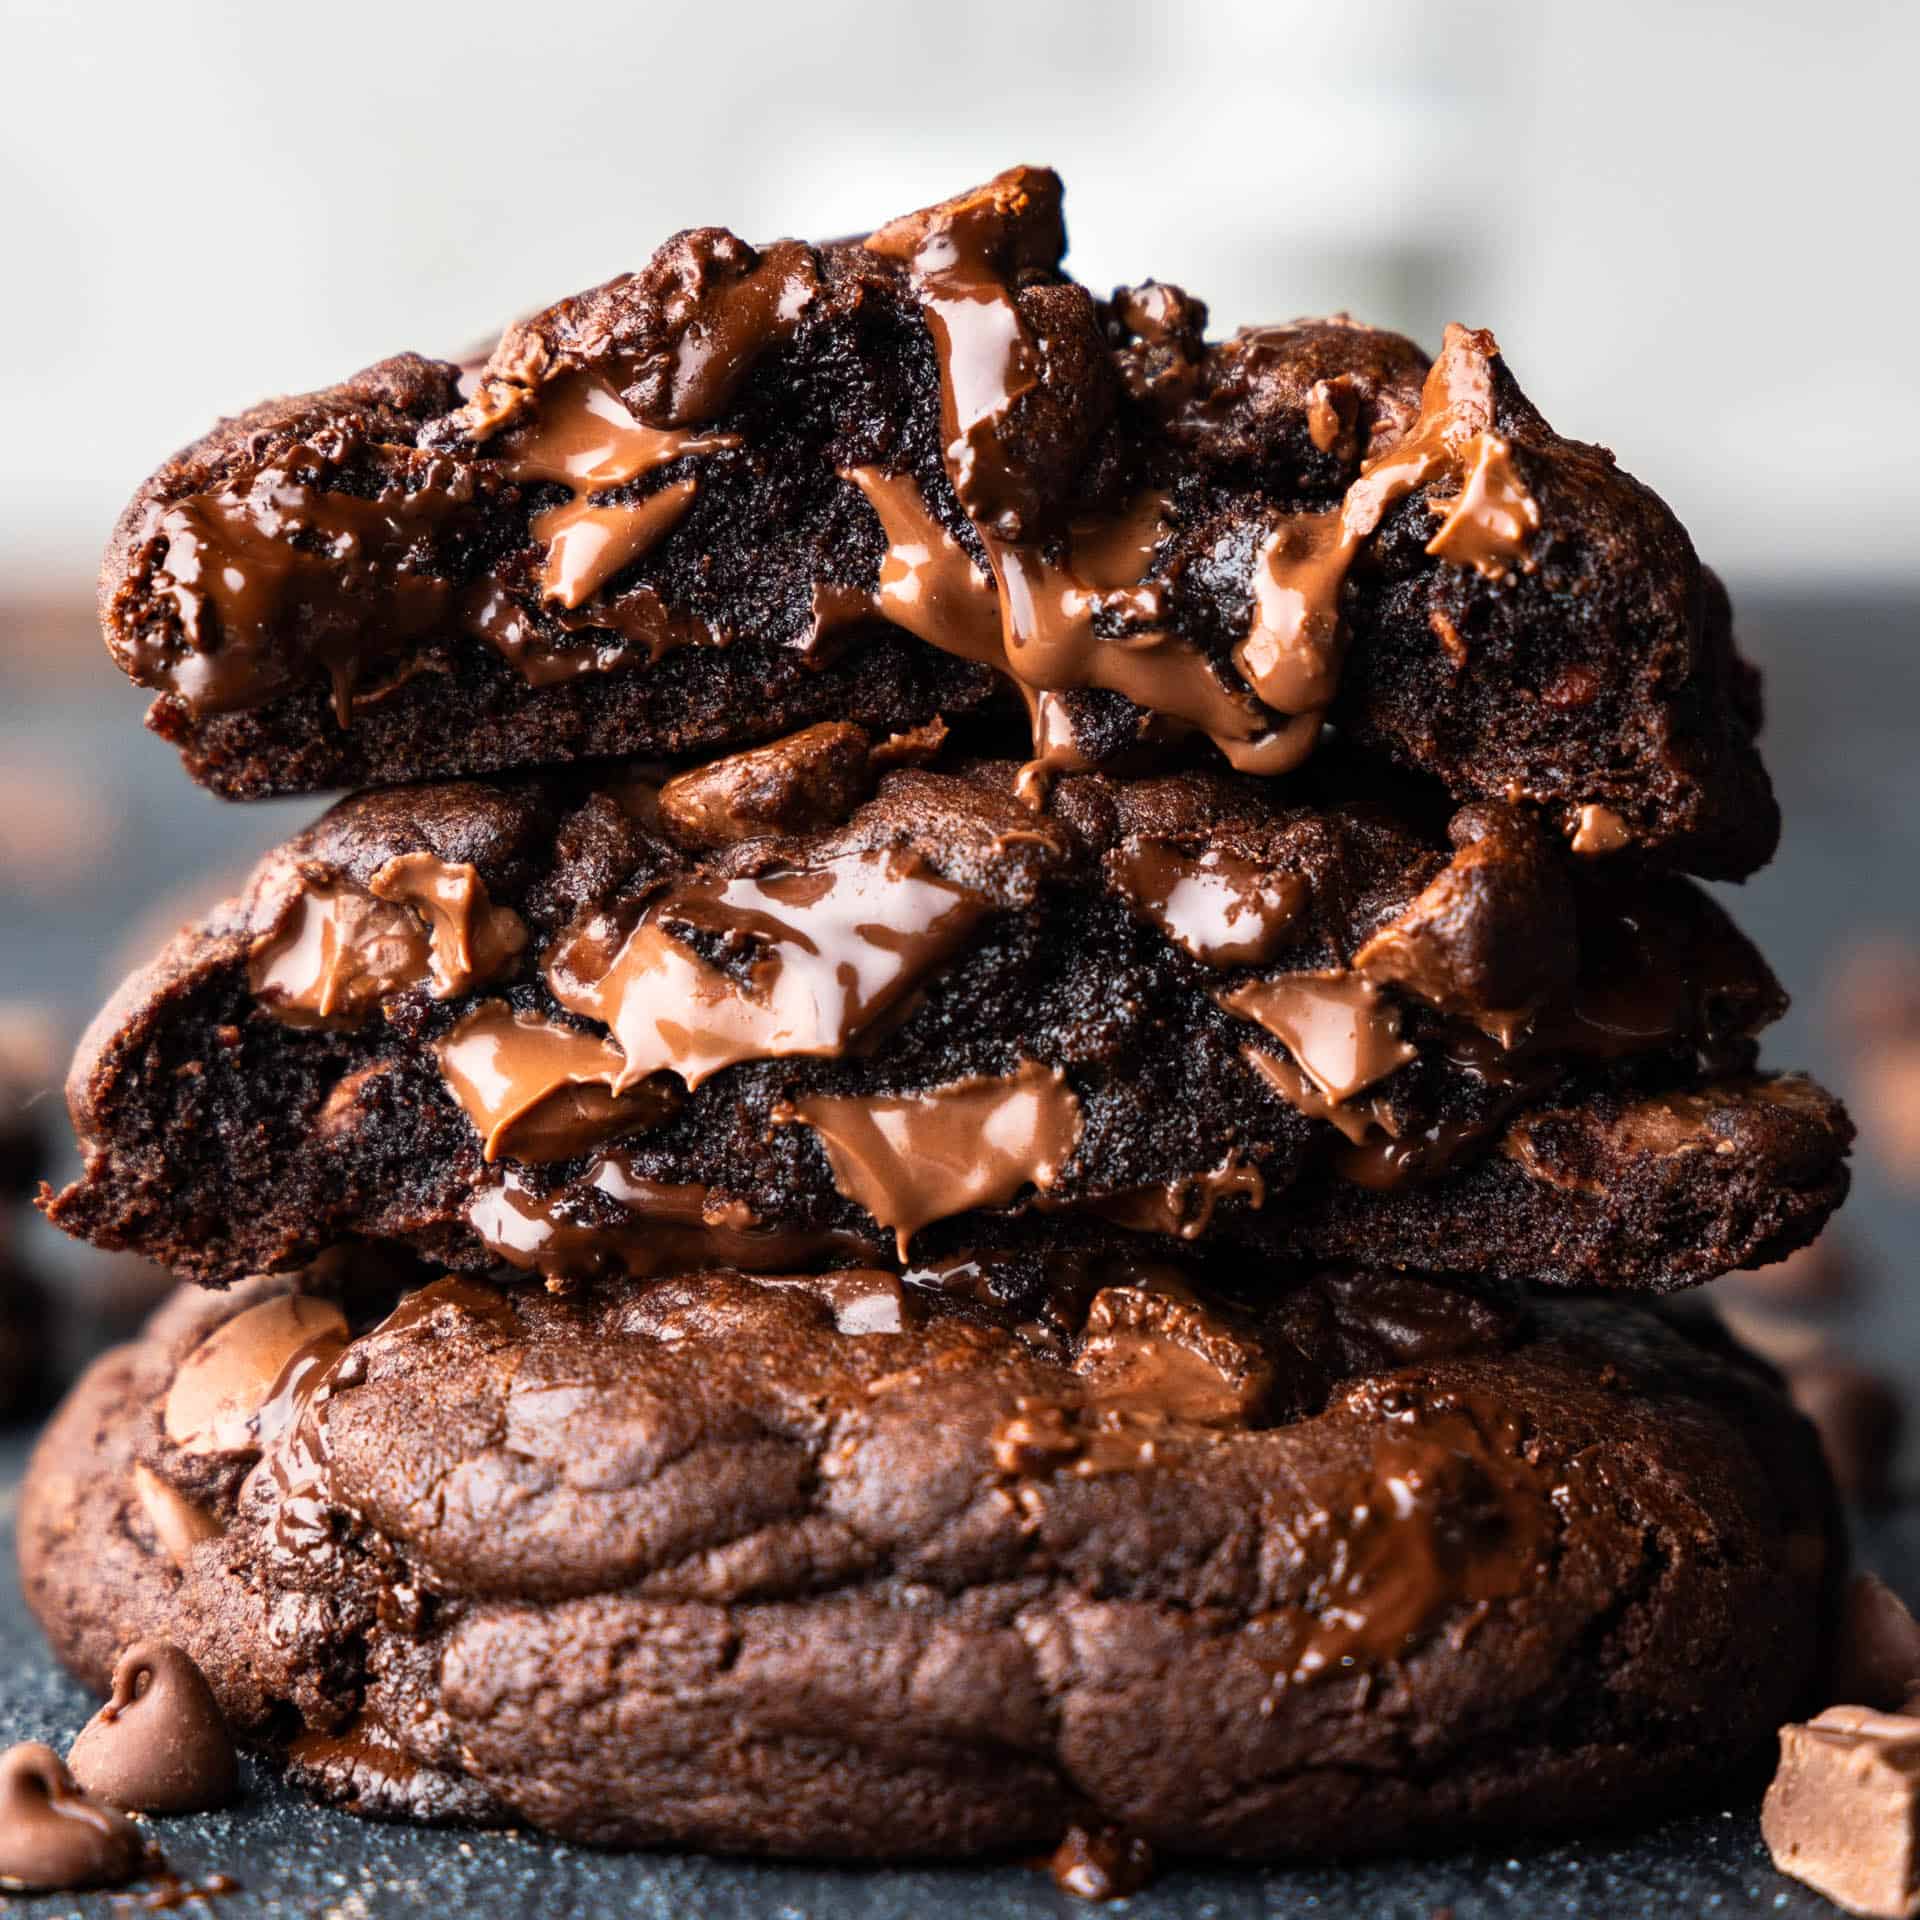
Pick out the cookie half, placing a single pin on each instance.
(877, 480)
(804, 1006)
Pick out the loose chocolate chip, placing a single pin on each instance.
(159, 1745)
(53, 1837)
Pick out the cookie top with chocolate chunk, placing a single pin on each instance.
(746, 489)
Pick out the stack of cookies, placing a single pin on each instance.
(973, 1137)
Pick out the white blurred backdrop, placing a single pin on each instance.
(1691, 225)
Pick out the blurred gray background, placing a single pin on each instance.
(1690, 226)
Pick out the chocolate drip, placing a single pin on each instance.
(1291, 652)
(911, 1159)
(274, 576)
(1036, 622)
(1056, 749)
(928, 585)
(537, 1090)
(293, 1434)
(962, 258)
(812, 958)
(1048, 612)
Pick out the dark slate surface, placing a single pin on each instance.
(1844, 690)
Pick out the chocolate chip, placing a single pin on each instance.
(53, 1837)
(159, 1745)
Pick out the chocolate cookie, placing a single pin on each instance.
(745, 489)
(1325, 1564)
(618, 1026)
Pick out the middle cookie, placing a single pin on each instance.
(812, 1005)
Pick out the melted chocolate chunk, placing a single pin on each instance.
(808, 781)
(914, 1158)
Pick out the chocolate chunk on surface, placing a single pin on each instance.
(745, 490)
(1843, 1812)
(1151, 1002)
(1251, 1563)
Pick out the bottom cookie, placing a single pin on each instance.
(858, 1568)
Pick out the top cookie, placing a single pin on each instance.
(924, 472)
